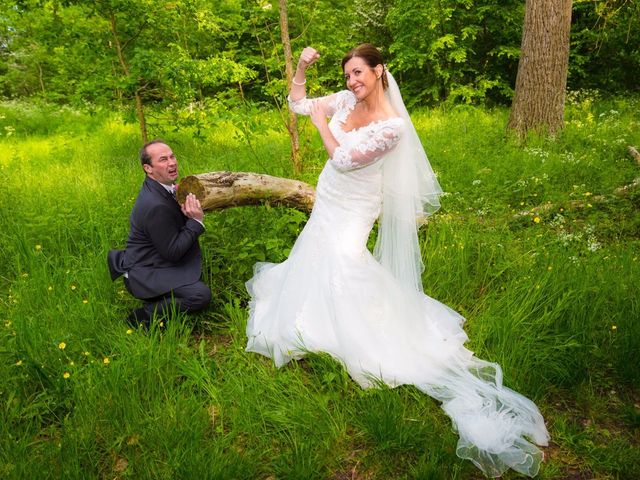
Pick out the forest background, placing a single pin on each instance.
(184, 58)
(536, 244)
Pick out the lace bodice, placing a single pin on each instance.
(361, 146)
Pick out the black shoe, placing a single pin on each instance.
(138, 318)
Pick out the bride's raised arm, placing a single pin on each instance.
(308, 57)
(298, 101)
(328, 103)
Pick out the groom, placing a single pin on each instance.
(162, 263)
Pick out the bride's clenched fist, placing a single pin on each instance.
(308, 57)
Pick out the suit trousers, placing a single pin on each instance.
(186, 299)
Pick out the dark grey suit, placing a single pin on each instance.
(162, 257)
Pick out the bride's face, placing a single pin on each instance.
(361, 79)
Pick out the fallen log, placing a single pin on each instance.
(626, 189)
(219, 190)
(622, 191)
(634, 153)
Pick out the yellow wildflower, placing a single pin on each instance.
(66, 374)
(38, 248)
(86, 354)
(18, 363)
(62, 345)
(614, 327)
(73, 287)
(129, 332)
(106, 360)
(85, 301)
(536, 219)
(50, 288)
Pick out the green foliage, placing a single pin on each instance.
(550, 293)
(605, 45)
(193, 54)
(466, 50)
(172, 53)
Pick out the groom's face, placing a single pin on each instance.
(164, 166)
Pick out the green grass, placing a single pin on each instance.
(552, 295)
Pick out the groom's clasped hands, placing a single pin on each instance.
(191, 208)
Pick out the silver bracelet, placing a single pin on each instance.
(293, 80)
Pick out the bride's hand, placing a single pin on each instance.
(318, 113)
(308, 57)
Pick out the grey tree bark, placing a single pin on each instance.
(538, 104)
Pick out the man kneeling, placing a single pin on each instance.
(162, 262)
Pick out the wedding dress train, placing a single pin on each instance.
(331, 295)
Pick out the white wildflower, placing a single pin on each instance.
(593, 244)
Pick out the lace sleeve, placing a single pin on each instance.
(336, 101)
(377, 140)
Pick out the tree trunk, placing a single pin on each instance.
(125, 68)
(141, 119)
(538, 104)
(292, 123)
(41, 78)
(218, 190)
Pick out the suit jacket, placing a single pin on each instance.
(162, 251)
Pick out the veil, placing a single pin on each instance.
(410, 194)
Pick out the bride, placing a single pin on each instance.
(369, 311)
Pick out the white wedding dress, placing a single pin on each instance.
(331, 295)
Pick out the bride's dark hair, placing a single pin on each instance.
(372, 57)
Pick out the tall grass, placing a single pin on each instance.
(552, 295)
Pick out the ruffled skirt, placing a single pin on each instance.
(332, 296)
